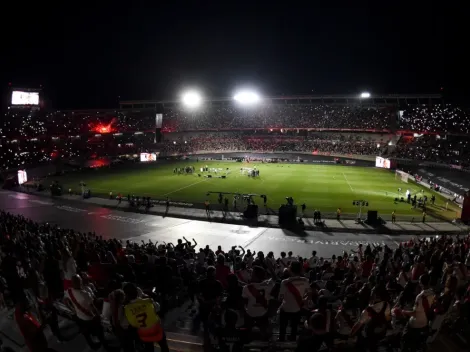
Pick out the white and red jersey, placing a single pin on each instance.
(244, 275)
(292, 291)
(345, 320)
(258, 296)
(420, 319)
(377, 307)
(82, 303)
(69, 268)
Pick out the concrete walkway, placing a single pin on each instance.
(271, 220)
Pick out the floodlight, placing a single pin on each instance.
(365, 95)
(192, 99)
(247, 97)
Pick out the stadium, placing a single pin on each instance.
(322, 151)
(144, 194)
(234, 177)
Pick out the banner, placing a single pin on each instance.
(382, 163)
(145, 157)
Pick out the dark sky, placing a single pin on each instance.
(86, 54)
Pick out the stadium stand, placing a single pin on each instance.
(36, 136)
(449, 149)
(281, 116)
(334, 143)
(247, 300)
(439, 118)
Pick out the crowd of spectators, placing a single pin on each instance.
(439, 118)
(280, 116)
(371, 295)
(39, 136)
(317, 143)
(446, 149)
(26, 153)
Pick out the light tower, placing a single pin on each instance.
(192, 99)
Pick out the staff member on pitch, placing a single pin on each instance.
(141, 313)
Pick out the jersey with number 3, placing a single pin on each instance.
(141, 314)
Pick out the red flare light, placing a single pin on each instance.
(102, 128)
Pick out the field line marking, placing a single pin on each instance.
(254, 238)
(179, 189)
(391, 239)
(348, 182)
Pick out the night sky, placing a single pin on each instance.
(87, 57)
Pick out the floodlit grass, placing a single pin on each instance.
(324, 187)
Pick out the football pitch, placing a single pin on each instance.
(322, 187)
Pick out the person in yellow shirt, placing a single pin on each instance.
(142, 315)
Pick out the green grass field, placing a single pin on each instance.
(325, 187)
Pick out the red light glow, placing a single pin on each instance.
(102, 128)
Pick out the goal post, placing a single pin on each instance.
(402, 176)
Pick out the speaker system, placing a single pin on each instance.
(287, 215)
(372, 217)
(251, 211)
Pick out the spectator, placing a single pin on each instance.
(142, 315)
(88, 317)
(257, 296)
(228, 337)
(346, 317)
(315, 336)
(415, 332)
(30, 328)
(222, 270)
(375, 319)
(210, 291)
(291, 292)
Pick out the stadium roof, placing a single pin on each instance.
(299, 99)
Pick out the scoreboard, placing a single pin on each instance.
(25, 98)
(19, 97)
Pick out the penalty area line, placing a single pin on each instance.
(179, 189)
(348, 182)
